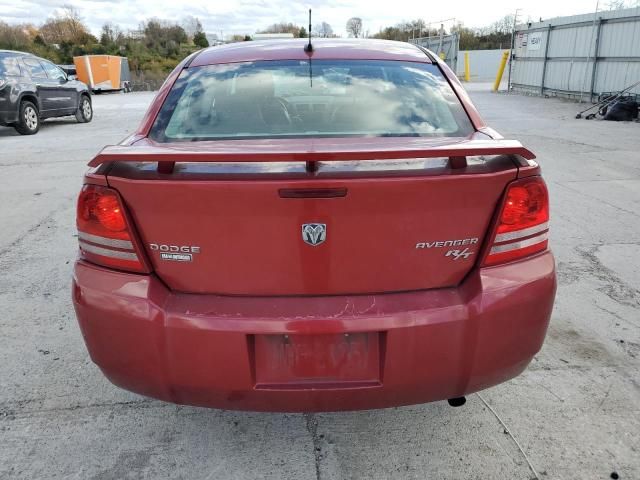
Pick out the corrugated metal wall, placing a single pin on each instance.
(483, 64)
(582, 55)
(446, 47)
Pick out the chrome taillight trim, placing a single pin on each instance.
(109, 242)
(525, 232)
(105, 252)
(521, 244)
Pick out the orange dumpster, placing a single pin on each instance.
(103, 72)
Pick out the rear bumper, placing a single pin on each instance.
(8, 107)
(8, 116)
(203, 349)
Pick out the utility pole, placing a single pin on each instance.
(513, 33)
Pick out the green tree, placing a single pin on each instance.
(200, 40)
(164, 37)
(284, 27)
(111, 37)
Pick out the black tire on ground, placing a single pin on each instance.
(28, 120)
(84, 114)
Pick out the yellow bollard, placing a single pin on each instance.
(503, 63)
(467, 71)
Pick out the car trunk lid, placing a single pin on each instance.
(254, 221)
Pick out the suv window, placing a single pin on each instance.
(53, 72)
(331, 98)
(9, 66)
(34, 68)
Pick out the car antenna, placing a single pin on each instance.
(308, 47)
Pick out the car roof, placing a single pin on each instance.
(323, 49)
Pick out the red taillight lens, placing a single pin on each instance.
(523, 225)
(526, 205)
(109, 213)
(103, 230)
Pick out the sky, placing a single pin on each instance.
(249, 16)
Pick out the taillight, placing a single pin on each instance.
(104, 232)
(523, 225)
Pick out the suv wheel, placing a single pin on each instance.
(84, 114)
(28, 120)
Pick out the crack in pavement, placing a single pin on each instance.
(582, 193)
(615, 315)
(312, 428)
(614, 288)
(46, 219)
(508, 431)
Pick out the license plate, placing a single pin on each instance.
(317, 361)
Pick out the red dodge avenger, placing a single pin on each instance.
(313, 229)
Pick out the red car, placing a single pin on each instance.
(313, 230)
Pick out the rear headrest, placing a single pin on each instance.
(202, 103)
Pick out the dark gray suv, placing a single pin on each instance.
(32, 89)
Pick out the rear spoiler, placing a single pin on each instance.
(167, 155)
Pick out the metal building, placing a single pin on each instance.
(446, 46)
(578, 56)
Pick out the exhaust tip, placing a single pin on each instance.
(457, 402)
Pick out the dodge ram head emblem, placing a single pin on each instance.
(314, 233)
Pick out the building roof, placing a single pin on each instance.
(323, 49)
(271, 36)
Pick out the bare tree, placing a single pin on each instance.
(617, 4)
(414, 28)
(191, 25)
(324, 30)
(111, 34)
(504, 25)
(354, 27)
(65, 26)
(14, 37)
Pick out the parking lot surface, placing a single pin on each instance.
(575, 412)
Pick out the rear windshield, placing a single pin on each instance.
(9, 66)
(330, 98)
